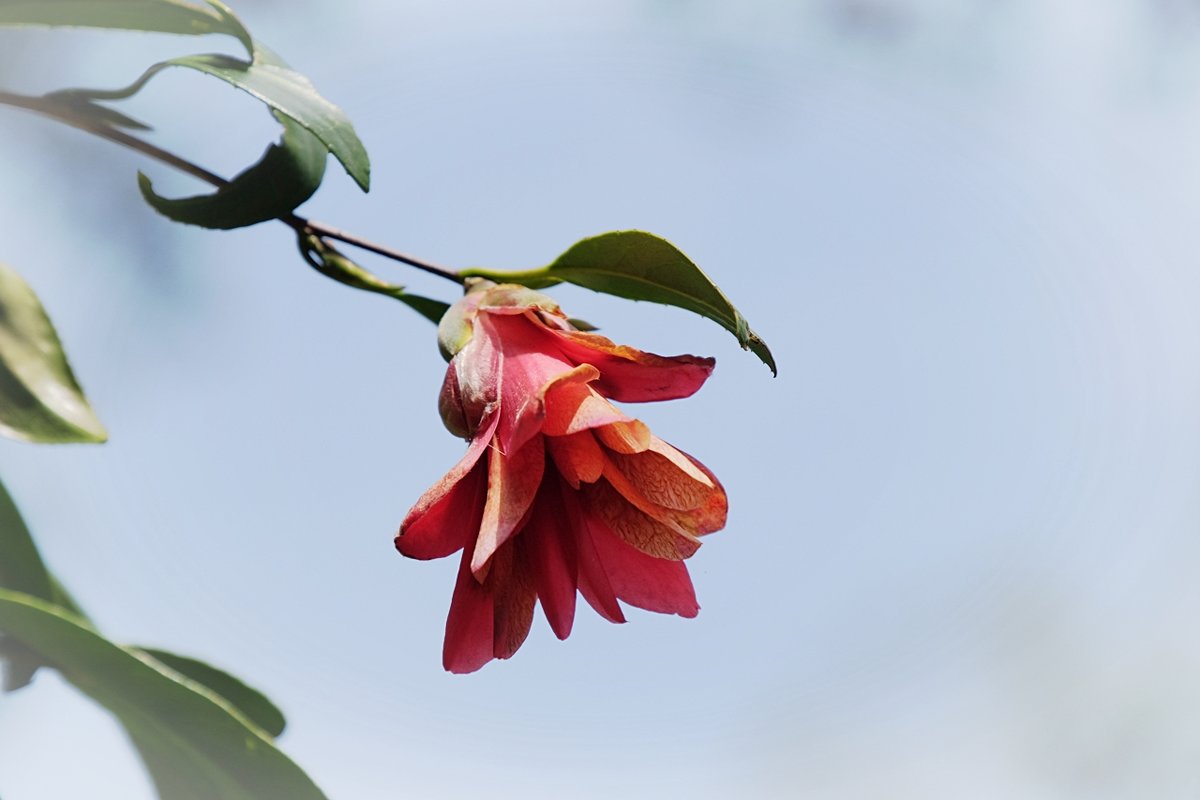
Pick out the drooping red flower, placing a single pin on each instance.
(559, 491)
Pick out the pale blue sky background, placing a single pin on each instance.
(961, 558)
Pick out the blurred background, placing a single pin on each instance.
(961, 558)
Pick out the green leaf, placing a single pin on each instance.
(271, 80)
(266, 76)
(248, 700)
(287, 175)
(160, 16)
(640, 266)
(40, 401)
(198, 746)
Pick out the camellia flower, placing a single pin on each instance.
(559, 490)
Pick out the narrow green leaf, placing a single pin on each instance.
(248, 700)
(287, 175)
(72, 104)
(333, 264)
(187, 732)
(160, 16)
(432, 310)
(40, 401)
(641, 266)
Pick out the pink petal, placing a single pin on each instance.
(469, 626)
(450, 405)
(550, 543)
(446, 517)
(513, 481)
(629, 375)
(651, 583)
(528, 365)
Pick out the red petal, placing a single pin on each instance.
(446, 517)
(651, 583)
(469, 626)
(511, 582)
(593, 580)
(550, 544)
(630, 375)
(513, 481)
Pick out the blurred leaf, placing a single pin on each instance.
(22, 570)
(287, 175)
(248, 700)
(640, 266)
(21, 565)
(40, 401)
(197, 745)
(160, 16)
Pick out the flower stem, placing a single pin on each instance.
(302, 225)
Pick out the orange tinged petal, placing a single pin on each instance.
(577, 456)
(635, 522)
(625, 437)
(662, 482)
(573, 406)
